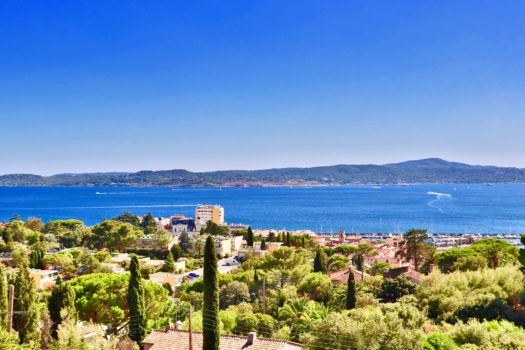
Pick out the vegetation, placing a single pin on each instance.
(210, 321)
(136, 304)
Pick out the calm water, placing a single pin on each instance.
(439, 208)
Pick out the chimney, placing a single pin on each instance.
(252, 336)
(178, 325)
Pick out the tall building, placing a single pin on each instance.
(205, 213)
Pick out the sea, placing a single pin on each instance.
(439, 208)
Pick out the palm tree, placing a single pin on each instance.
(199, 247)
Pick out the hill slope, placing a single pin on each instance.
(432, 170)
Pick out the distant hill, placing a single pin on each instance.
(431, 170)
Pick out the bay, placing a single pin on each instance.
(440, 208)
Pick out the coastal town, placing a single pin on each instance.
(263, 274)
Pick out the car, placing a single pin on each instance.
(193, 275)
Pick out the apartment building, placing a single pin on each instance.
(205, 213)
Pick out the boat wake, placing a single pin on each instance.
(438, 197)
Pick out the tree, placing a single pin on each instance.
(249, 237)
(320, 261)
(69, 233)
(61, 305)
(233, 293)
(169, 264)
(288, 241)
(521, 256)
(414, 247)
(149, 225)
(135, 297)
(25, 323)
(128, 217)
(186, 242)
(176, 251)
(394, 288)
(34, 224)
(337, 263)
(114, 235)
(350, 291)
(362, 251)
(210, 323)
(378, 268)
(4, 288)
(36, 259)
(263, 244)
(271, 236)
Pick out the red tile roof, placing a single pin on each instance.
(179, 340)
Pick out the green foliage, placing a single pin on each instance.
(26, 323)
(210, 323)
(4, 290)
(136, 304)
(69, 233)
(249, 237)
(246, 323)
(36, 259)
(501, 335)
(378, 268)
(61, 305)
(317, 285)
(263, 244)
(169, 264)
(444, 294)
(233, 293)
(394, 288)
(337, 262)
(102, 298)
(320, 261)
(414, 247)
(176, 252)
(148, 224)
(215, 229)
(351, 291)
(469, 263)
(128, 217)
(186, 242)
(114, 235)
(439, 341)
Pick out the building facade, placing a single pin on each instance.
(205, 213)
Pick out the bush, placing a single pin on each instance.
(439, 341)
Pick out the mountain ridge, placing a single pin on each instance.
(428, 170)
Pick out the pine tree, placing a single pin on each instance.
(25, 323)
(4, 289)
(169, 264)
(263, 244)
(320, 261)
(249, 237)
(210, 307)
(61, 300)
(137, 321)
(351, 291)
(149, 224)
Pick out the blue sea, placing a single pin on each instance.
(454, 208)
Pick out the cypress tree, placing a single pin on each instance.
(62, 299)
(351, 291)
(303, 243)
(36, 259)
(26, 323)
(210, 306)
(249, 237)
(4, 289)
(320, 261)
(263, 244)
(176, 251)
(137, 321)
(169, 264)
(288, 240)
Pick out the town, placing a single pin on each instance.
(62, 280)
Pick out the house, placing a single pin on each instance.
(164, 241)
(162, 278)
(44, 279)
(403, 270)
(176, 339)
(341, 277)
(180, 223)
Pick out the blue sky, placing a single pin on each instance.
(204, 85)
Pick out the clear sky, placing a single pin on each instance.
(203, 85)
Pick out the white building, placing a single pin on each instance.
(205, 213)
